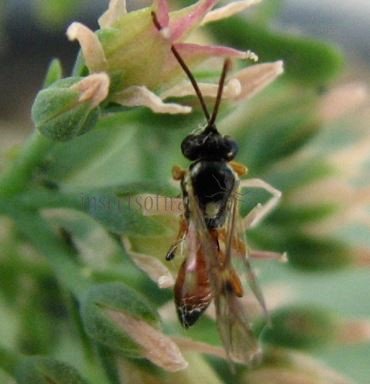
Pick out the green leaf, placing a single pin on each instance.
(305, 252)
(300, 327)
(307, 61)
(276, 129)
(317, 254)
(297, 174)
(45, 370)
(54, 73)
(289, 215)
(55, 13)
(115, 297)
(120, 216)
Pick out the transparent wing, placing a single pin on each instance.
(232, 321)
(239, 252)
(239, 341)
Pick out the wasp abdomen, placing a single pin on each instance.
(193, 292)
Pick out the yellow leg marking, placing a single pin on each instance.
(239, 168)
(178, 173)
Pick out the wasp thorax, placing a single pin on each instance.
(209, 145)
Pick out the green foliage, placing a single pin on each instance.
(118, 298)
(54, 13)
(70, 197)
(302, 327)
(307, 61)
(42, 370)
(54, 72)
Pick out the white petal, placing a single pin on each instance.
(156, 270)
(90, 45)
(136, 96)
(253, 79)
(228, 10)
(116, 9)
(231, 90)
(93, 88)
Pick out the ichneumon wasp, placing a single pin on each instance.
(211, 234)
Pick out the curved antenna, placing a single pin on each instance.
(225, 69)
(185, 69)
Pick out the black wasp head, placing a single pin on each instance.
(209, 145)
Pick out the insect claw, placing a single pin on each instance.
(171, 253)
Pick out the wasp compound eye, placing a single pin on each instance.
(230, 148)
(190, 147)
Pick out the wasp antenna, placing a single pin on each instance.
(185, 69)
(225, 69)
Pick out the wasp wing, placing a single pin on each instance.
(232, 321)
(193, 292)
(239, 252)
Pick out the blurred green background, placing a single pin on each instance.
(33, 31)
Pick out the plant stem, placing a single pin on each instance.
(19, 173)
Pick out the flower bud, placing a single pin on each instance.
(118, 317)
(68, 108)
(44, 370)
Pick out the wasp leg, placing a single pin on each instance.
(258, 213)
(268, 255)
(156, 270)
(183, 227)
(239, 168)
(238, 244)
(257, 254)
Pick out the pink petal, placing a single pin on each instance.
(189, 18)
(93, 88)
(228, 10)
(189, 51)
(256, 77)
(160, 8)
